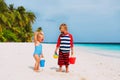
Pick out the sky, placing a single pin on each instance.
(87, 20)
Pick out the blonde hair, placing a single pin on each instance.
(41, 35)
(63, 25)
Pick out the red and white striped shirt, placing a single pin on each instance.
(65, 42)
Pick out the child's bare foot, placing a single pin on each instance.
(36, 70)
(67, 71)
(59, 70)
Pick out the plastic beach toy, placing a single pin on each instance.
(42, 62)
(55, 56)
(72, 60)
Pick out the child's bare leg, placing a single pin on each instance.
(35, 68)
(67, 69)
(37, 58)
(60, 68)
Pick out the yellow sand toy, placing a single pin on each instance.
(55, 56)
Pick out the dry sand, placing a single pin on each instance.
(17, 62)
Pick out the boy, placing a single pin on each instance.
(65, 45)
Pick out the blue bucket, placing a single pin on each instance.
(42, 63)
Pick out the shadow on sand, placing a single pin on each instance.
(54, 68)
(31, 67)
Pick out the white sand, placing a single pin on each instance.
(17, 62)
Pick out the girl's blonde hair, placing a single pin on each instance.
(40, 34)
(63, 25)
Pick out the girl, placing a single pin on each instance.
(38, 38)
(64, 44)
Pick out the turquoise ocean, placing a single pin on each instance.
(110, 50)
(111, 47)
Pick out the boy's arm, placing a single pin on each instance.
(72, 51)
(71, 43)
(58, 44)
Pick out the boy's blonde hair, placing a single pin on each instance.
(63, 25)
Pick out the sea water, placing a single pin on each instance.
(112, 47)
(112, 50)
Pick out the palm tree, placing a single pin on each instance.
(27, 20)
(28, 28)
(3, 6)
(15, 24)
(3, 18)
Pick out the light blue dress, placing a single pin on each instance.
(38, 50)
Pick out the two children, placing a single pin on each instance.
(64, 44)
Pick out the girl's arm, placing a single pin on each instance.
(42, 55)
(35, 38)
